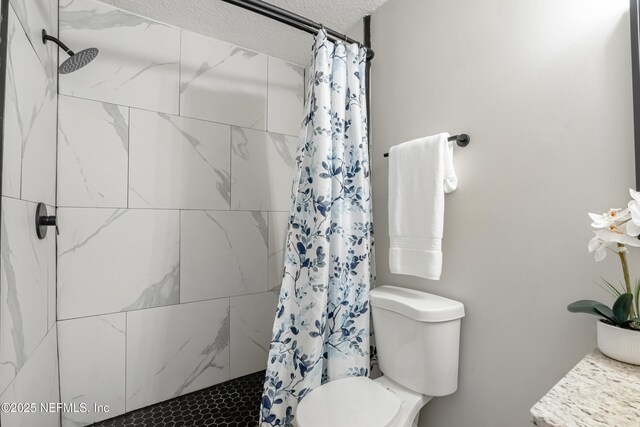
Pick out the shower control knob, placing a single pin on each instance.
(43, 220)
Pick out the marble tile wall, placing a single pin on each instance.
(28, 339)
(29, 164)
(86, 343)
(178, 163)
(37, 383)
(175, 169)
(139, 60)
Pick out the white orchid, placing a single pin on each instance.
(612, 235)
(616, 230)
(609, 218)
(633, 226)
(598, 246)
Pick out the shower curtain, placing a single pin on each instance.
(321, 328)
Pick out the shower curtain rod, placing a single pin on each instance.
(293, 20)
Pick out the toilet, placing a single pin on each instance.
(418, 341)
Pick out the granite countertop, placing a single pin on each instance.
(598, 391)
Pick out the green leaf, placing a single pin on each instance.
(591, 307)
(622, 307)
(637, 297)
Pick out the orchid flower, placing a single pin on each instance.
(616, 230)
(604, 238)
(610, 217)
(633, 226)
(598, 246)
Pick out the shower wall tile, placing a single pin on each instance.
(112, 260)
(251, 326)
(263, 166)
(93, 146)
(36, 15)
(278, 222)
(92, 351)
(175, 350)
(178, 163)
(52, 271)
(222, 254)
(19, 58)
(37, 382)
(174, 203)
(222, 82)
(138, 64)
(286, 97)
(27, 270)
(30, 122)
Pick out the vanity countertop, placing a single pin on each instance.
(598, 391)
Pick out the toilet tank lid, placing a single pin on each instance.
(417, 305)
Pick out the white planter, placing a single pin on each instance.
(618, 343)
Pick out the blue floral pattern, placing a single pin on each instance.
(321, 330)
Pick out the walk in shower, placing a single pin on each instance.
(167, 160)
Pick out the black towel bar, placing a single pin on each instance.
(462, 140)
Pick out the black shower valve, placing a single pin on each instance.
(43, 221)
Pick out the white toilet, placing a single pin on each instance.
(418, 341)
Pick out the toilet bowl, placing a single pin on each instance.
(417, 337)
(360, 401)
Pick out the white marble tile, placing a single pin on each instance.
(251, 326)
(18, 54)
(222, 82)
(263, 169)
(30, 122)
(27, 269)
(278, 222)
(92, 366)
(52, 281)
(37, 383)
(36, 15)
(176, 350)
(286, 97)
(178, 163)
(222, 254)
(138, 63)
(93, 144)
(112, 260)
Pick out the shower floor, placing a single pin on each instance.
(233, 403)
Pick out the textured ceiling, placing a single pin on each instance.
(233, 24)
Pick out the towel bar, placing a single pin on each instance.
(462, 140)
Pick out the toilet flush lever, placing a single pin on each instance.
(43, 220)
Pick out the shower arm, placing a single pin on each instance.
(46, 37)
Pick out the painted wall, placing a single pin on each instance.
(544, 90)
(176, 158)
(28, 343)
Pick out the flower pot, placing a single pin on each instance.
(619, 343)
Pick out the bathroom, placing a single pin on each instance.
(149, 210)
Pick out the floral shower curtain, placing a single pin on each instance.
(321, 329)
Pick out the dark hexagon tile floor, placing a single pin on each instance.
(233, 403)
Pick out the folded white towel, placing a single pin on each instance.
(420, 173)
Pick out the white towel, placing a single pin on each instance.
(420, 173)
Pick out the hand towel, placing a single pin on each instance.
(420, 173)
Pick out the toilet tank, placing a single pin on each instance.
(418, 338)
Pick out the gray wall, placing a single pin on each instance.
(544, 90)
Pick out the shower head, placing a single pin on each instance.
(75, 61)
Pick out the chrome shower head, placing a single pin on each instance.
(75, 60)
